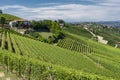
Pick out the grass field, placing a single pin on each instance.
(79, 31)
(45, 34)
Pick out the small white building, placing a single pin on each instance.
(61, 25)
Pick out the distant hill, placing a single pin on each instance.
(9, 17)
(105, 23)
(110, 23)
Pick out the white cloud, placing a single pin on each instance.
(10, 6)
(105, 10)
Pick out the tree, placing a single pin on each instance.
(2, 21)
(54, 27)
(1, 12)
(61, 21)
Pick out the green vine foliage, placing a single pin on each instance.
(33, 69)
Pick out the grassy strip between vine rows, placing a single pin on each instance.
(33, 69)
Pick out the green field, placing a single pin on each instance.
(79, 31)
(45, 34)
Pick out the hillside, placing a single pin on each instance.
(104, 55)
(9, 17)
(79, 31)
(59, 40)
(108, 33)
(111, 34)
(42, 53)
(77, 56)
(98, 60)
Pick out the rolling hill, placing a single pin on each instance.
(22, 54)
(76, 57)
(110, 23)
(111, 34)
(10, 17)
(103, 53)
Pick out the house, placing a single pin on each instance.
(20, 23)
(21, 26)
(61, 25)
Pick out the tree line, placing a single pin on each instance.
(2, 19)
(49, 26)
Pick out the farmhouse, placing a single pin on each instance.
(20, 24)
(61, 25)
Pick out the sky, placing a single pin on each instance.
(68, 10)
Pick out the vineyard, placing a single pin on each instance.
(32, 69)
(24, 47)
(104, 55)
(35, 60)
(75, 45)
